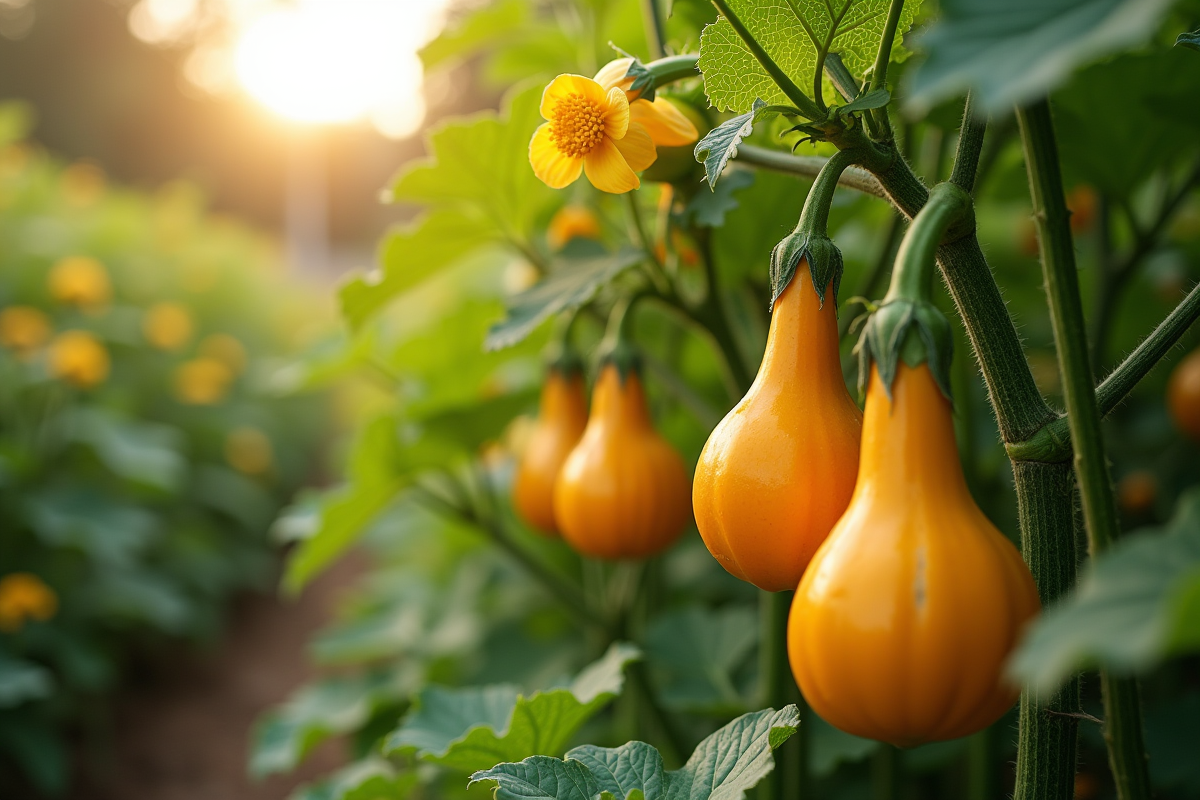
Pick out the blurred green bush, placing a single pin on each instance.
(144, 451)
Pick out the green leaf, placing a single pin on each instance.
(145, 452)
(702, 654)
(1135, 605)
(721, 143)
(709, 209)
(22, 680)
(725, 765)
(830, 747)
(1007, 54)
(480, 164)
(334, 706)
(574, 282)
(408, 255)
(876, 99)
(379, 470)
(84, 518)
(792, 34)
(1189, 40)
(369, 779)
(477, 727)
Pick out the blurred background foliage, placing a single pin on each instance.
(143, 449)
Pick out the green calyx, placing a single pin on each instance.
(910, 330)
(647, 78)
(907, 326)
(810, 241)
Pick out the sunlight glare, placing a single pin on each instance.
(336, 61)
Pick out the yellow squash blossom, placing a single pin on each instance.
(572, 222)
(202, 381)
(23, 329)
(81, 281)
(588, 130)
(248, 450)
(24, 597)
(79, 358)
(167, 326)
(665, 123)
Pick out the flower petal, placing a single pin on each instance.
(665, 123)
(607, 170)
(637, 148)
(616, 118)
(566, 85)
(549, 164)
(614, 74)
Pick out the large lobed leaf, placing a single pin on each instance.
(792, 32)
(1009, 53)
(722, 767)
(1135, 605)
(474, 728)
(702, 655)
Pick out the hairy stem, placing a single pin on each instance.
(970, 145)
(1123, 728)
(883, 57)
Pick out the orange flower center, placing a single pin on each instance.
(578, 125)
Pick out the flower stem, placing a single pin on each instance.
(669, 69)
(807, 167)
(1123, 727)
(883, 57)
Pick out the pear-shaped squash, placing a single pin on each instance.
(623, 491)
(902, 624)
(778, 471)
(562, 416)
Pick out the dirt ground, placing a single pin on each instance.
(184, 734)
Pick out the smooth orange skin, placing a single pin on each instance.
(623, 492)
(902, 624)
(562, 416)
(1183, 395)
(778, 471)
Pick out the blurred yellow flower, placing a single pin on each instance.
(248, 450)
(23, 329)
(588, 130)
(226, 349)
(81, 281)
(82, 184)
(167, 326)
(667, 126)
(572, 222)
(24, 597)
(79, 358)
(202, 381)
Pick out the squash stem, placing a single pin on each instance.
(912, 276)
(1123, 723)
(778, 690)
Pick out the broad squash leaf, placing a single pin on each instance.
(723, 766)
(792, 32)
(369, 779)
(1135, 605)
(477, 727)
(1010, 53)
(701, 654)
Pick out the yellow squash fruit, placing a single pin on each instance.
(562, 417)
(902, 624)
(623, 492)
(778, 471)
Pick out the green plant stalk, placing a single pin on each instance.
(799, 99)
(654, 28)
(775, 675)
(980, 772)
(883, 57)
(970, 146)
(1123, 723)
(807, 167)
(912, 275)
(814, 217)
(669, 69)
(1048, 737)
(1053, 442)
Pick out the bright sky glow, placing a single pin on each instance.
(310, 61)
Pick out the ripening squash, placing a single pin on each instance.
(562, 416)
(623, 491)
(778, 471)
(902, 624)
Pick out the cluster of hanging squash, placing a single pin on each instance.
(907, 599)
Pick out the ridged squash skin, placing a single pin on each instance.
(623, 492)
(902, 624)
(778, 471)
(562, 417)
